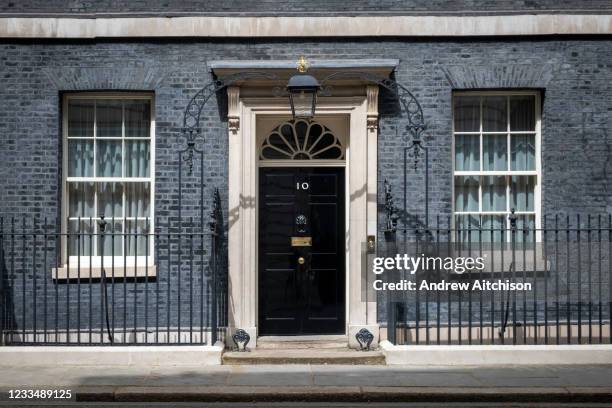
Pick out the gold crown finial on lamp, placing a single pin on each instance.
(302, 64)
(302, 89)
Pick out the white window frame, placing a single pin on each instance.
(123, 265)
(509, 173)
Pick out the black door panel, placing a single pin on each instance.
(304, 297)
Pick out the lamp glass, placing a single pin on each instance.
(303, 102)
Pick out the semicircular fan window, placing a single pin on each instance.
(301, 140)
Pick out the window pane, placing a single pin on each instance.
(467, 228)
(467, 114)
(494, 193)
(466, 193)
(80, 158)
(113, 243)
(333, 152)
(108, 158)
(315, 131)
(110, 200)
(80, 118)
(137, 199)
(494, 228)
(523, 152)
(495, 152)
(467, 152)
(81, 200)
(137, 118)
(277, 147)
(136, 238)
(522, 190)
(525, 225)
(80, 238)
(137, 158)
(301, 128)
(522, 112)
(108, 118)
(494, 114)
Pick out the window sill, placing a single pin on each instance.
(85, 272)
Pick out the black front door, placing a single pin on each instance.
(301, 251)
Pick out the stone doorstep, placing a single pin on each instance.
(304, 356)
(345, 394)
(300, 343)
(283, 345)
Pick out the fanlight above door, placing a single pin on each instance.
(301, 140)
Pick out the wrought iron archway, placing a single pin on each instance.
(408, 102)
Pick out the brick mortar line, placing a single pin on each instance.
(309, 13)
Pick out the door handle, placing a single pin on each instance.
(301, 260)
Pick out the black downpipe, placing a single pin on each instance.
(102, 223)
(502, 330)
(512, 218)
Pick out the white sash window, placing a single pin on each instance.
(496, 139)
(108, 170)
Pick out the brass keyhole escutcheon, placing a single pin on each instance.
(301, 260)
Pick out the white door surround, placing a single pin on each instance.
(361, 110)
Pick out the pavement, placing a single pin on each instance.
(312, 383)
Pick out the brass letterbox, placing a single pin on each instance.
(301, 241)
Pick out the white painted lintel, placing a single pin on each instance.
(301, 26)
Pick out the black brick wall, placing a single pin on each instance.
(574, 75)
(301, 6)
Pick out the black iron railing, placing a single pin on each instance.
(169, 285)
(566, 262)
(104, 284)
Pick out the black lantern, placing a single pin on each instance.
(303, 90)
